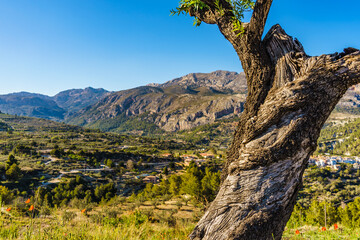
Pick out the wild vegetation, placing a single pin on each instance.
(340, 139)
(77, 179)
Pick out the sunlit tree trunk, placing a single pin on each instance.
(290, 97)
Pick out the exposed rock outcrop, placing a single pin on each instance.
(179, 104)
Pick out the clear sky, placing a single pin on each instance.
(47, 46)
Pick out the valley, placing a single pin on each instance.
(120, 167)
(76, 177)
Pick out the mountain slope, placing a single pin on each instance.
(30, 104)
(75, 99)
(350, 103)
(54, 108)
(222, 81)
(31, 124)
(182, 103)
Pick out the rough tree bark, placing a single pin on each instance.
(290, 97)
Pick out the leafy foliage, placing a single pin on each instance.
(238, 9)
(186, 5)
(201, 184)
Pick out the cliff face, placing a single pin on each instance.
(223, 81)
(350, 101)
(182, 103)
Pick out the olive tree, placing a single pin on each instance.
(290, 96)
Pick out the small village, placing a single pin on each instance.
(334, 161)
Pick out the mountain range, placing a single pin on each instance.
(182, 103)
(57, 108)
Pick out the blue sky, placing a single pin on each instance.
(47, 46)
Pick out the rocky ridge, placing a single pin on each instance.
(182, 103)
(179, 104)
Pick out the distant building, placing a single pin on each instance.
(199, 161)
(142, 176)
(150, 179)
(356, 165)
(207, 155)
(312, 161)
(188, 160)
(334, 161)
(167, 155)
(336, 167)
(349, 160)
(320, 163)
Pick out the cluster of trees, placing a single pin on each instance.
(334, 185)
(96, 157)
(340, 139)
(76, 188)
(4, 126)
(201, 184)
(12, 169)
(6, 195)
(328, 190)
(320, 211)
(21, 149)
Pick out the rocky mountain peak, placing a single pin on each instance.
(218, 80)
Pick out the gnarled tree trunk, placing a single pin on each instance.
(290, 97)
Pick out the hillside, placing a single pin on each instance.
(88, 184)
(75, 99)
(80, 179)
(32, 124)
(223, 81)
(30, 104)
(55, 108)
(350, 102)
(183, 103)
(340, 139)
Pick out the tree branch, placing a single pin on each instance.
(291, 67)
(224, 19)
(248, 44)
(206, 16)
(258, 19)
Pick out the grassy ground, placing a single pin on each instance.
(316, 233)
(131, 226)
(109, 223)
(166, 221)
(87, 230)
